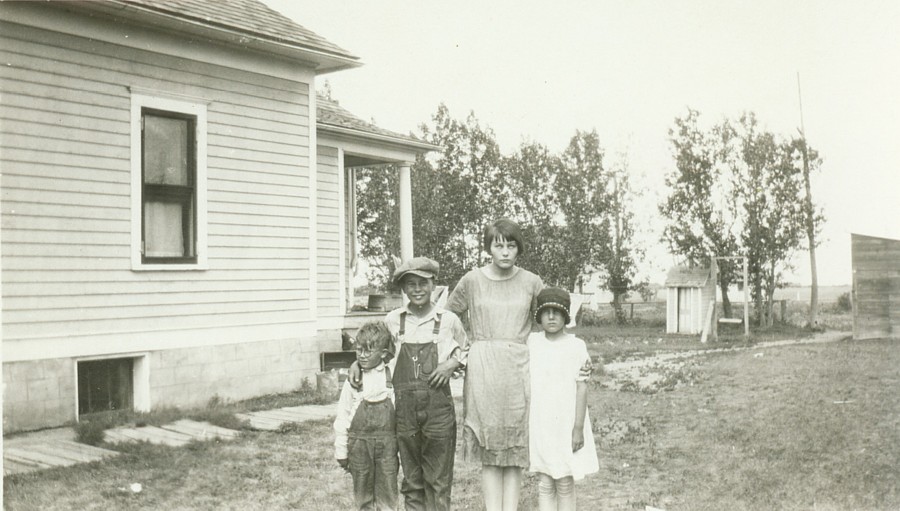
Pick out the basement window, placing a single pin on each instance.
(105, 385)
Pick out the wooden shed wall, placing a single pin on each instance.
(67, 277)
(876, 287)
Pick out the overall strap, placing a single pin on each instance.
(402, 324)
(437, 324)
(388, 381)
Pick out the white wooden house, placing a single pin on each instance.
(689, 291)
(177, 207)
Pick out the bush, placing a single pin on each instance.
(89, 430)
(843, 303)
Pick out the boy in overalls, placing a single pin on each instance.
(430, 341)
(365, 432)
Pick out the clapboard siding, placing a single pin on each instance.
(876, 287)
(67, 207)
(172, 280)
(67, 58)
(329, 228)
(194, 319)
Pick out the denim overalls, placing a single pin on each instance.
(426, 425)
(372, 448)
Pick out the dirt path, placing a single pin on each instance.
(649, 373)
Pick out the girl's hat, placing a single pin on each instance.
(553, 297)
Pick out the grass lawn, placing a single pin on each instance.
(810, 426)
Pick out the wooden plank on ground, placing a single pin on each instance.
(262, 423)
(151, 434)
(24, 455)
(88, 450)
(201, 430)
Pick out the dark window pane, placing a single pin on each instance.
(166, 151)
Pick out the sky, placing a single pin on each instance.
(539, 71)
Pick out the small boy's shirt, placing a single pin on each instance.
(375, 388)
(450, 338)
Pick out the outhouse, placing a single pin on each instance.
(690, 292)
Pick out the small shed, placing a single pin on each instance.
(690, 291)
(876, 287)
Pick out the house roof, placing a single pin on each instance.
(331, 116)
(246, 22)
(685, 276)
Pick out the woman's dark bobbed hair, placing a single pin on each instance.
(506, 229)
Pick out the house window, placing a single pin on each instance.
(168, 194)
(168, 184)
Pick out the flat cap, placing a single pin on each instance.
(421, 266)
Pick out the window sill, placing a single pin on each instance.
(170, 267)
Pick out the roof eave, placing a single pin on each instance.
(417, 146)
(322, 61)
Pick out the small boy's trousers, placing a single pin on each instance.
(426, 433)
(372, 451)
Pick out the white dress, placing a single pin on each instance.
(556, 367)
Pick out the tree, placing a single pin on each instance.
(701, 219)
(620, 265)
(768, 189)
(738, 188)
(813, 219)
(531, 199)
(378, 220)
(456, 192)
(582, 189)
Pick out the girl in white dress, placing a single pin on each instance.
(561, 443)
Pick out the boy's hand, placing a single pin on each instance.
(577, 439)
(354, 376)
(443, 372)
(345, 464)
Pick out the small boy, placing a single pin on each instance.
(430, 341)
(365, 442)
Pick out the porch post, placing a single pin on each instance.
(406, 217)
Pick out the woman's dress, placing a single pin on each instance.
(496, 391)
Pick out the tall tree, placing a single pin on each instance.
(768, 189)
(456, 192)
(530, 175)
(699, 210)
(582, 188)
(814, 217)
(620, 266)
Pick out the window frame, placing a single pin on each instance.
(195, 111)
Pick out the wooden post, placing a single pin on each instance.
(631, 314)
(708, 326)
(714, 275)
(406, 217)
(783, 311)
(746, 301)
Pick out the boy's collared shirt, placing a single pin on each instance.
(375, 388)
(451, 337)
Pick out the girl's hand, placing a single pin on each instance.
(442, 373)
(577, 439)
